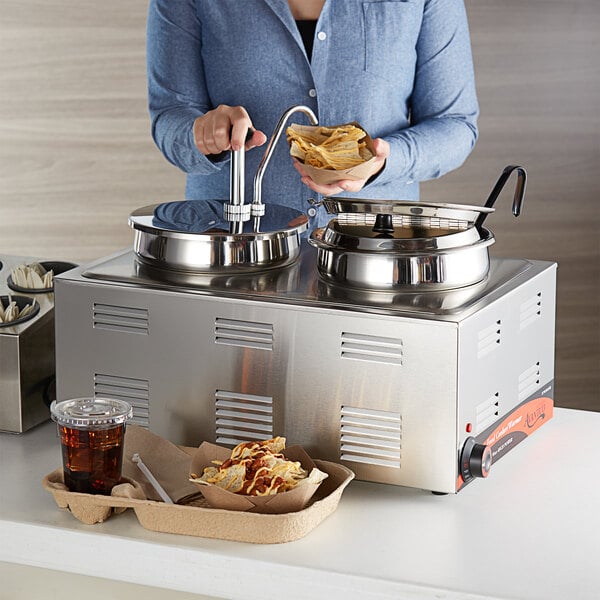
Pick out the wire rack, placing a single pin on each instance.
(407, 221)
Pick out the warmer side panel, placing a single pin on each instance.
(376, 392)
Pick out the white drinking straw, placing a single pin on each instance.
(144, 469)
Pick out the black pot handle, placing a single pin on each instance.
(519, 192)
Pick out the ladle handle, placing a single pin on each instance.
(519, 192)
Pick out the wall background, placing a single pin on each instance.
(76, 155)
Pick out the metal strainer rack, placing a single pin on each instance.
(406, 221)
(405, 214)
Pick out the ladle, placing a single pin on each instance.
(519, 192)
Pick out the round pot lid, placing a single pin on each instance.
(205, 218)
(396, 240)
(464, 213)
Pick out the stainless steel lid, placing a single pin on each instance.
(203, 246)
(203, 220)
(91, 413)
(395, 240)
(406, 212)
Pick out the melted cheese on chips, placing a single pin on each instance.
(333, 148)
(257, 469)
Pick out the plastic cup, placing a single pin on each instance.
(92, 434)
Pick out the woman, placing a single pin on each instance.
(402, 69)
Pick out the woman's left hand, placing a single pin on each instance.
(382, 151)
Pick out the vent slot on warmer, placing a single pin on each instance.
(372, 348)
(134, 391)
(529, 381)
(488, 339)
(487, 412)
(530, 311)
(242, 417)
(372, 437)
(125, 319)
(246, 334)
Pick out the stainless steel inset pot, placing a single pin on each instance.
(440, 261)
(394, 245)
(216, 236)
(215, 250)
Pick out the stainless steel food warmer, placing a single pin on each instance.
(384, 344)
(415, 388)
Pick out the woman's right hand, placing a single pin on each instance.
(225, 128)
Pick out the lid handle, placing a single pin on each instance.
(384, 225)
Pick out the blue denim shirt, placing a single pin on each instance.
(401, 68)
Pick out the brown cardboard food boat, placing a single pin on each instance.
(329, 176)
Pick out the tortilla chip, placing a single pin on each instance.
(257, 469)
(331, 148)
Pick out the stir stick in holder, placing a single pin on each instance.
(150, 477)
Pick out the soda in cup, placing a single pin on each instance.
(92, 434)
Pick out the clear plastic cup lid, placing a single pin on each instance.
(91, 413)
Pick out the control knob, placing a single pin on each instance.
(475, 460)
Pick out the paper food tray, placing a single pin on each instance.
(330, 176)
(198, 519)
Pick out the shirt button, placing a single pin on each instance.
(312, 92)
(322, 35)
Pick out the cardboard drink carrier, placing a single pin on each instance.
(200, 510)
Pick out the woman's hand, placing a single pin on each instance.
(382, 151)
(225, 128)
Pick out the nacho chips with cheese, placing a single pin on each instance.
(333, 148)
(258, 469)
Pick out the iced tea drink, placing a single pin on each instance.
(92, 434)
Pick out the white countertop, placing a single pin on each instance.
(531, 530)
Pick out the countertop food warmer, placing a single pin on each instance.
(389, 342)
(420, 389)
